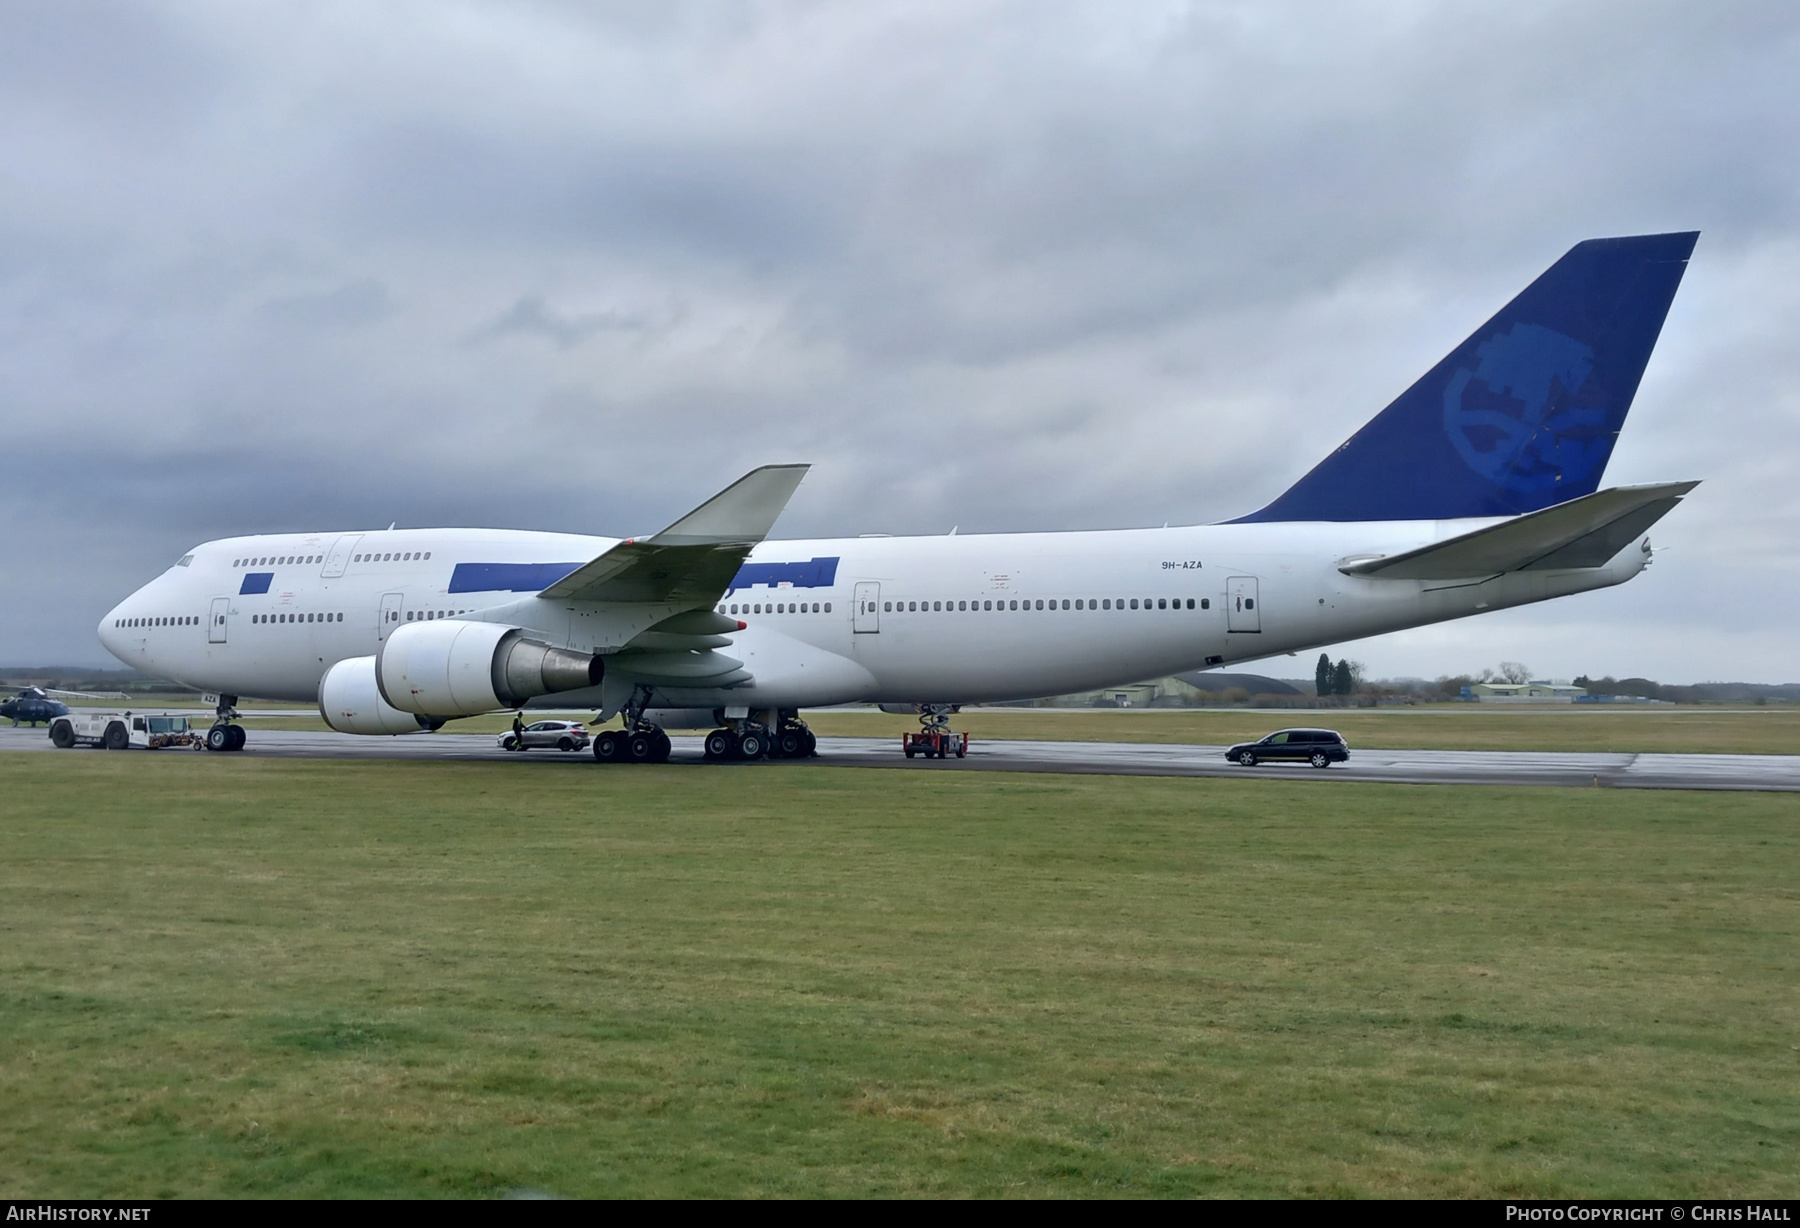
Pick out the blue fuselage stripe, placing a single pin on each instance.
(508, 577)
(815, 573)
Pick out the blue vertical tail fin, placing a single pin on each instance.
(1521, 416)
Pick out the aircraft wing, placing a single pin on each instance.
(1584, 532)
(695, 558)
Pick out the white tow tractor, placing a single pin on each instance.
(123, 730)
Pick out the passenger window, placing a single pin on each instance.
(887, 606)
(938, 606)
(1162, 603)
(828, 607)
(428, 556)
(1206, 603)
(1134, 603)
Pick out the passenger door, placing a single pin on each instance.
(868, 608)
(1241, 613)
(392, 604)
(216, 621)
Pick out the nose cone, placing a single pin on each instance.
(111, 637)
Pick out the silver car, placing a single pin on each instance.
(563, 735)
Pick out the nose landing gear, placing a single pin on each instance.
(224, 735)
(935, 739)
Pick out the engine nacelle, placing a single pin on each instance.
(454, 667)
(350, 702)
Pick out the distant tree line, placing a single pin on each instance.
(1343, 678)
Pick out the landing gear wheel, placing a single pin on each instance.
(1320, 760)
(609, 747)
(790, 745)
(663, 747)
(812, 743)
(117, 738)
(719, 745)
(750, 745)
(61, 736)
(237, 736)
(640, 747)
(218, 738)
(1247, 759)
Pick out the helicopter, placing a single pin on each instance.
(34, 704)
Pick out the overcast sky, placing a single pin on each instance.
(997, 266)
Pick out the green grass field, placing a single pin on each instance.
(224, 976)
(1709, 730)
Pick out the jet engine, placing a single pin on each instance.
(350, 702)
(454, 667)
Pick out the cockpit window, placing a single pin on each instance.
(185, 560)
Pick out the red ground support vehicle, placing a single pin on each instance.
(935, 744)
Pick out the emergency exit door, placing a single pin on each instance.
(868, 607)
(1241, 613)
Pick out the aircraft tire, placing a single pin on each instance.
(663, 746)
(751, 745)
(62, 736)
(218, 738)
(812, 744)
(640, 747)
(608, 747)
(237, 736)
(790, 744)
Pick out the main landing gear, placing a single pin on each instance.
(224, 735)
(935, 740)
(638, 742)
(768, 734)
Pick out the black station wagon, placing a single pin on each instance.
(1319, 747)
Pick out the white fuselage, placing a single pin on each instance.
(956, 619)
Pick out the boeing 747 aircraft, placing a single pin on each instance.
(1477, 489)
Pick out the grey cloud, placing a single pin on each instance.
(530, 316)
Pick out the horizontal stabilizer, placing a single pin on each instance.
(694, 559)
(1584, 532)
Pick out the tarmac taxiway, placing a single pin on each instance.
(1778, 773)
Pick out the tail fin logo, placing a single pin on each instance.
(1510, 419)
